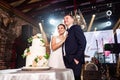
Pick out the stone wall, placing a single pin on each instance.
(10, 29)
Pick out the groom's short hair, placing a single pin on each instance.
(70, 15)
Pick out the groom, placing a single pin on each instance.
(74, 47)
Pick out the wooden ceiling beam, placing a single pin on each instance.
(62, 5)
(35, 5)
(23, 3)
(52, 8)
(8, 8)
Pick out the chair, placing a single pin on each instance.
(91, 72)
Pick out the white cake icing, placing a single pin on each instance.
(35, 53)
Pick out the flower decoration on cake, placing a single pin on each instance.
(26, 52)
(39, 61)
(36, 55)
(39, 36)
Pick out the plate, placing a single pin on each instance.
(35, 68)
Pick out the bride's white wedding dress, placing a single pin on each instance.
(56, 58)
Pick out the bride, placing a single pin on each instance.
(56, 58)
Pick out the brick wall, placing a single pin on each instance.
(10, 29)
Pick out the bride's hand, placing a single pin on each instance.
(66, 34)
(76, 61)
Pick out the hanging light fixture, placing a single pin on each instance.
(109, 13)
(78, 17)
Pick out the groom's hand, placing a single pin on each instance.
(76, 61)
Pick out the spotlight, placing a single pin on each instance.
(109, 13)
(108, 23)
(52, 21)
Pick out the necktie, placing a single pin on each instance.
(67, 29)
(63, 49)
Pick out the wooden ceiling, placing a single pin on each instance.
(33, 9)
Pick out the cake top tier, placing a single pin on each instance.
(37, 39)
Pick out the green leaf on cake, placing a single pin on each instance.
(30, 65)
(30, 40)
(36, 59)
(46, 56)
(42, 41)
(23, 55)
(28, 50)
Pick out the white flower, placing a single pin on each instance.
(39, 35)
(42, 62)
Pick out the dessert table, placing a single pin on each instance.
(50, 74)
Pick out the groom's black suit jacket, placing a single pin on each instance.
(75, 45)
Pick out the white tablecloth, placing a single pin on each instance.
(52, 74)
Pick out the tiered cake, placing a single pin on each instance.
(36, 55)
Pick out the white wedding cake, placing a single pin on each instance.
(36, 55)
